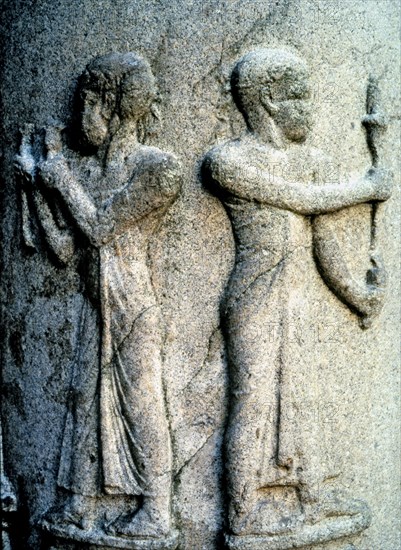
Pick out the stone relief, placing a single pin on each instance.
(278, 208)
(366, 297)
(335, 409)
(98, 202)
(8, 501)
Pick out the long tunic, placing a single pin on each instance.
(101, 450)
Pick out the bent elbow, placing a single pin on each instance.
(171, 178)
(171, 187)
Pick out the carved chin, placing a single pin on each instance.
(298, 134)
(94, 138)
(94, 130)
(301, 136)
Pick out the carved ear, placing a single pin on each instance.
(267, 102)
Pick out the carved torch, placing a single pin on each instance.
(375, 124)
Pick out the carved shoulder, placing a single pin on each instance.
(162, 170)
(221, 162)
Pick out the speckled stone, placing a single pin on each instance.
(345, 376)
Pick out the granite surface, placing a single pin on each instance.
(200, 274)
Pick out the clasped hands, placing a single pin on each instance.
(51, 170)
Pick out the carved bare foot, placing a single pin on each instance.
(74, 513)
(242, 512)
(148, 521)
(266, 519)
(372, 306)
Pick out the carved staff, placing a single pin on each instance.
(375, 123)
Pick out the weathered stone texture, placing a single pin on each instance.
(347, 377)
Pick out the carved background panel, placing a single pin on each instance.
(350, 384)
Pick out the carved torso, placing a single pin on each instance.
(265, 236)
(116, 273)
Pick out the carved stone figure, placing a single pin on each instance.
(276, 498)
(8, 500)
(104, 203)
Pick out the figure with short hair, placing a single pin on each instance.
(266, 181)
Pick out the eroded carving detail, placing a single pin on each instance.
(276, 497)
(103, 204)
(8, 500)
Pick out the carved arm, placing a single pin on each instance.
(59, 239)
(248, 182)
(55, 174)
(153, 187)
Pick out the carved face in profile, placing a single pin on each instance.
(96, 115)
(289, 104)
(273, 83)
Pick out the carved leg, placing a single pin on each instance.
(138, 382)
(77, 511)
(253, 336)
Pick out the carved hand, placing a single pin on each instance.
(24, 162)
(24, 167)
(53, 141)
(383, 181)
(53, 172)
